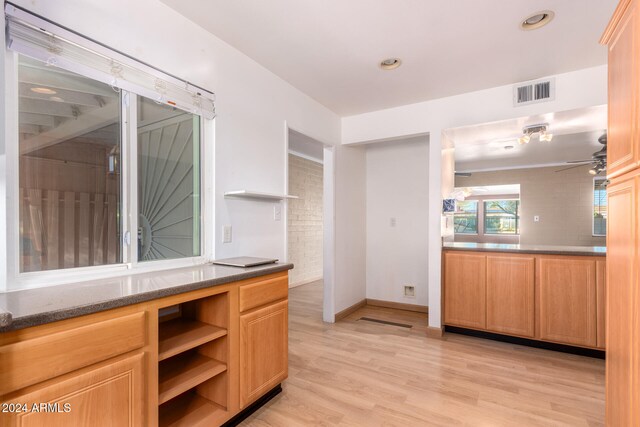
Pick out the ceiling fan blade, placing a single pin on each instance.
(572, 167)
(581, 161)
(463, 174)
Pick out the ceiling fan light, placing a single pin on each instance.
(524, 139)
(593, 171)
(546, 137)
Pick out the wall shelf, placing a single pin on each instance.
(246, 194)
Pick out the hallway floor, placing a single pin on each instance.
(363, 373)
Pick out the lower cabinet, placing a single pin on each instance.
(511, 295)
(107, 395)
(568, 300)
(555, 298)
(465, 289)
(263, 350)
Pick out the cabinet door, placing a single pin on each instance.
(622, 147)
(601, 277)
(623, 383)
(109, 395)
(263, 350)
(465, 290)
(568, 300)
(511, 295)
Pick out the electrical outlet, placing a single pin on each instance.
(226, 234)
(409, 291)
(392, 222)
(277, 213)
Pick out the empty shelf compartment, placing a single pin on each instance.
(191, 410)
(181, 334)
(184, 372)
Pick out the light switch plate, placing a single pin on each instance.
(536, 218)
(226, 234)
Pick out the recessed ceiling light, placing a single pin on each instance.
(390, 63)
(508, 147)
(43, 90)
(537, 20)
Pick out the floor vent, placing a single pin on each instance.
(534, 92)
(385, 322)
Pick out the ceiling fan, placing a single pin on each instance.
(598, 159)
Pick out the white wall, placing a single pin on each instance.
(577, 89)
(350, 226)
(397, 187)
(252, 105)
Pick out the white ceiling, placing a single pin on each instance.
(576, 133)
(331, 49)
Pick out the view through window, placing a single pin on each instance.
(599, 207)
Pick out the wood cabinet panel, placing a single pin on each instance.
(260, 293)
(601, 301)
(622, 147)
(465, 289)
(263, 350)
(622, 306)
(511, 295)
(110, 395)
(33, 360)
(567, 300)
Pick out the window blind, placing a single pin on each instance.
(40, 39)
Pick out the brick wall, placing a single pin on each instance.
(305, 220)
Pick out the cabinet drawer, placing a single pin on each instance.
(34, 360)
(260, 293)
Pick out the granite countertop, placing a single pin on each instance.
(31, 307)
(528, 249)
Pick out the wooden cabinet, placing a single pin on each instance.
(567, 300)
(183, 360)
(465, 289)
(511, 295)
(263, 350)
(555, 298)
(110, 394)
(622, 36)
(623, 141)
(623, 383)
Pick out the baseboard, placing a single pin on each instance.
(398, 305)
(245, 413)
(435, 332)
(347, 311)
(304, 282)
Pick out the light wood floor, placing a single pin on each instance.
(358, 373)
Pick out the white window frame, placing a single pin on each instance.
(14, 279)
(593, 218)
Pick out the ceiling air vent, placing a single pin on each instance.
(534, 92)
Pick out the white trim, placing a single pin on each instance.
(305, 156)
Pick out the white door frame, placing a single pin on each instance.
(328, 221)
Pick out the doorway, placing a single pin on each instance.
(309, 217)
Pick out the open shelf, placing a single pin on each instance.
(190, 410)
(181, 334)
(184, 372)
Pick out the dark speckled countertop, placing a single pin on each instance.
(31, 307)
(527, 249)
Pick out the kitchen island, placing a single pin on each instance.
(550, 294)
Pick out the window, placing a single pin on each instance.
(168, 182)
(107, 163)
(502, 217)
(599, 207)
(465, 219)
(69, 182)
